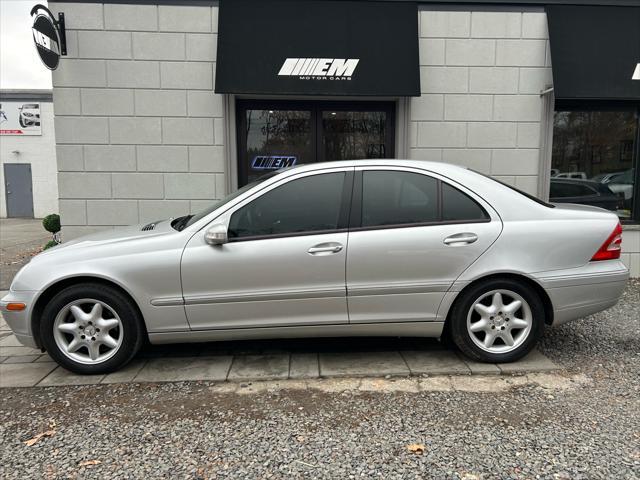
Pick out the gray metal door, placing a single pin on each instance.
(18, 189)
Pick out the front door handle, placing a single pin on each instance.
(325, 248)
(460, 239)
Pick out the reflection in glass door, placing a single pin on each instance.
(595, 159)
(348, 135)
(277, 139)
(278, 134)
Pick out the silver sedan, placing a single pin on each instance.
(384, 247)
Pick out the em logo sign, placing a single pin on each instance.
(319, 67)
(273, 162)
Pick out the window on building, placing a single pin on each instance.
(598, 151)
(274, 134)
(309, 204)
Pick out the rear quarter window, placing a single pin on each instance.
(458, 206)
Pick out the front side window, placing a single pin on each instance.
(596, 147)
(304, 205)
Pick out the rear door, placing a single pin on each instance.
(411, 235)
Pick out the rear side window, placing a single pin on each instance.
(458, 206)
(398, 198)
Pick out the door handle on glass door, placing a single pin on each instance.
(460, 239)
(325, 248)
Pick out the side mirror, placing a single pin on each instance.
(216, 234)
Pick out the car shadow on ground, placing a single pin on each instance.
(293, 345)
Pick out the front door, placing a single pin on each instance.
(18, 189)
(412, 236)
(277, 134)
(284, 264)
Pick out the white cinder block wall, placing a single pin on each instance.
(139, 130)
(40, 152)
(631, 249)
(481, 77)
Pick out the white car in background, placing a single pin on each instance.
(574, 175)
(622, 184)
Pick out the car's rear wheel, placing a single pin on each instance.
(91, 329)
(497, 321)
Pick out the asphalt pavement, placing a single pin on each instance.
(20, 239)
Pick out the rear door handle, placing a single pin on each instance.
(325, 248)
(460, 239)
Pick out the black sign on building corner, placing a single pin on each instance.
(49, 36)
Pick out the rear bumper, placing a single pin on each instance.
(585, 290)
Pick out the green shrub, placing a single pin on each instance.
(51, 223)
(49, 244)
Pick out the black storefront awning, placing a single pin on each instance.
(311, 47)
(595, 52)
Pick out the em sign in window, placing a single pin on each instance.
(598, 150)
(309, 204)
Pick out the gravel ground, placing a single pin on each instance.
(188, 430)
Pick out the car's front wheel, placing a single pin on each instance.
(91, 329)
(497, 321)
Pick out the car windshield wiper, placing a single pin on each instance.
(181, 222)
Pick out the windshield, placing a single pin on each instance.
(217, 204)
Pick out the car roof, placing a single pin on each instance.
(436, 167)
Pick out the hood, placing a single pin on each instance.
(117, 235)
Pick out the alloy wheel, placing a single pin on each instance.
(499, 321)
(88, 331)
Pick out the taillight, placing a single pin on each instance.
(610, 249)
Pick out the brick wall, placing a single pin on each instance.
(481, 76)
(139, 130)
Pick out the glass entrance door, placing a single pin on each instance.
(274, 135)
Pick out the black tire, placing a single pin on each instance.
(132, 327)
(463, 304)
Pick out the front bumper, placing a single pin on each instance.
(585, 290)
(20, 322)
